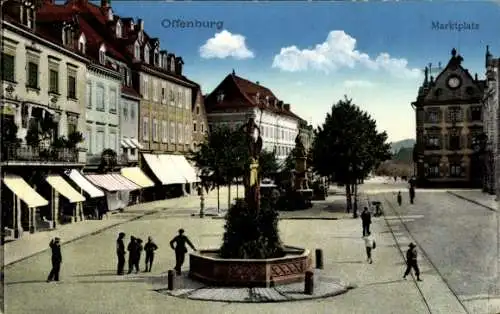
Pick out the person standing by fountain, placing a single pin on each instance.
(180, 249)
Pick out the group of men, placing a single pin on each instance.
(135, 248)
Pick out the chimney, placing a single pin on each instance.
(104, 4)
(140, 22)
(287, 107)
(178, 65)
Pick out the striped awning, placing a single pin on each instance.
(136, 143)
(112, 182)
(124, 144)
(83, 183)
(130, 143)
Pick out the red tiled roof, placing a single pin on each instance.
(248, 90)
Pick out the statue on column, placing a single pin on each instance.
(300, 164)
(252, 177)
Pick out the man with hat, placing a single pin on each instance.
(120, 253)
(55, 246)
(411, 261)
(180, 249)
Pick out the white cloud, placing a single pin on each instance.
(338, 51)
(224, 45)
(358, 83)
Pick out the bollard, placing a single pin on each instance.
(319, 258)
(170, 278)
(309, 283)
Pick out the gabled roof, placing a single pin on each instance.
(242, 94)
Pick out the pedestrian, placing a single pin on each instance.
(55, 246)
(400, 198)
(150, 249)
(120, 253)
(138, 249)
(180, 249)
(412, 194)
(366, 219)
(411, 261)
(132, 253)
(369, 245)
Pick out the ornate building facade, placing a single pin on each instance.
(449, 127)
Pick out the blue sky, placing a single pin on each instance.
(311, 54)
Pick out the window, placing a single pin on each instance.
(476, 113)
(100, 142)
(112, 100)
(433, 142)
(100, 98)
(433, 170)
(72, 124)
(30, 17)
(53, 81)
(171, 96)
(163, 95)
(102, 55)
(194, 126)
(146, 54)
(197, 110)
(164, 128)
(112, 140)
(145, 129)
(155, 130)
(455, 114)
(137, 51)
(132, 112)
(179, 133)
(454, 142)
(118, 29)
(155, 91)
(455, 170)
(433, 116)
(71, 86)
(82, 43)
(8, 68)
(186, 134)
(172, 132)
(179, 99)
(145, 87)
(88, 95)
(88, 139)
(202, 127)
(33, 75)
(125, 111)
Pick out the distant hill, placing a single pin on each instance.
(405, 155)
(406, 143)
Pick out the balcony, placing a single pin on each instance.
(38, 154)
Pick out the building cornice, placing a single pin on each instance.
(43, 41)
(165, 76)
(105, 71)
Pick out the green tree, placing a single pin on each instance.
(347, 146)
(108, 161)
(268, 164)
(222, 158)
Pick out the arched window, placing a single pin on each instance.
(137, 51)
(146, 54)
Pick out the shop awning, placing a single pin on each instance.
(185, 167)
(156, 167)
(112, 182)
(136, 175)
(25, 192)
(130, 143)
(173, 173)
(136, 143)
(124, 144)
(83, 183)
(63, 187)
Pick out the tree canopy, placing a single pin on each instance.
(347, 145)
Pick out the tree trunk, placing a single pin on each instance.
(218, 199)
(348, 197)
(355, 189)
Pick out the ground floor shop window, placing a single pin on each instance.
(455, 170)
(433, 171)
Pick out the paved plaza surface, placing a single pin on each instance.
(89, 283)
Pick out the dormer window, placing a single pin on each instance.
(172, 64)
(146, 54)
(132, 25)
(102, 54)
(137, 51)
(140, 36)
(157, 58)
(118, 29)
(82, 43)
(110, 14)
(67, 36)
(220, 96)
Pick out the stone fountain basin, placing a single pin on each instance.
(208, 267)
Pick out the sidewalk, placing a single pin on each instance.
(477, 197)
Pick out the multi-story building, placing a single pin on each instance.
(235, 99)
(491, 124)
(449, 127)
(200, 122)
(43, 106)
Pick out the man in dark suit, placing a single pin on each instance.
(120, 253)
(55, 246)
(366, 219)
(180, 249)
(150, 249)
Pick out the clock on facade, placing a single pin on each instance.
(454, 82)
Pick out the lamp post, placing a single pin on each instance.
(202, 201)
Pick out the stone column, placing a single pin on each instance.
(18, 228)
(55, 208)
